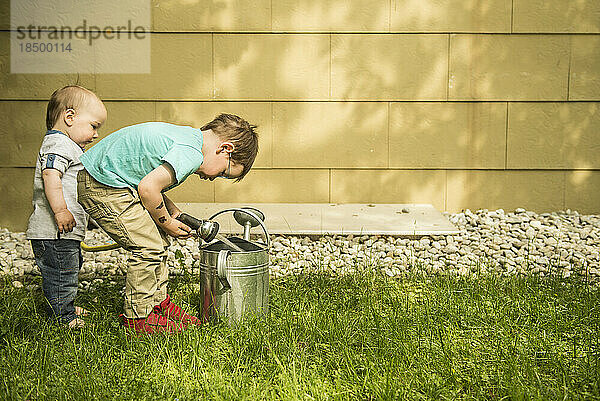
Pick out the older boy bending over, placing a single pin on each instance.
(122, 188)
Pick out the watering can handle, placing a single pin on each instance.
(222, 270)
(249, 213)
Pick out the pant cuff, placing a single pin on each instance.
(139, 310)
(160, 296)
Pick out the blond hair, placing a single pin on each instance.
(69, 97)
(229, 127)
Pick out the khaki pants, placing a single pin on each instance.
(121, 214)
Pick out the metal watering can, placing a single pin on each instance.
(235, 282)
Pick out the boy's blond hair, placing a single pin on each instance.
(229, 127)
(70, 97)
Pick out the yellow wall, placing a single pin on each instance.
(458, 103)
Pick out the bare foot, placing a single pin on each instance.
(76, 324)
(81, 312)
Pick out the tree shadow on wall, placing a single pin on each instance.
(319, 97)
(319, 120)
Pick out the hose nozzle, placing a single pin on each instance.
(206, 229)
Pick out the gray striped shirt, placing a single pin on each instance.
(59, 152)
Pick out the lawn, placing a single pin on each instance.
(359, 336)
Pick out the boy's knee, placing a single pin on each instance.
(149, 253)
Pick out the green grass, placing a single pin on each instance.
(360, 336)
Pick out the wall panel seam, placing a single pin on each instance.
(389, 118)
(330, 66)
(569, 72)
(212, 66)
(446, 168)
(328, 32)
(564, 191)
(506, 138)
(445, 190)
(170, 100)
(388, 32)
(271, 15)
(512, 16)
(272, 134)
(390, 16)
(448, 71)
(330, 184)
(457, 168)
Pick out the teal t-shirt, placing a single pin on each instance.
(126, 156)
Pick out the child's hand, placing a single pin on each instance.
(177, 229)
(65, 221)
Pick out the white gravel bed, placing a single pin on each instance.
(519, 242)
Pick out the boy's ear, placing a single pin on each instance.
(69, 117)
(226, 147)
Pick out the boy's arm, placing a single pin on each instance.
(173, 210)
(53, 190)
(157, 204)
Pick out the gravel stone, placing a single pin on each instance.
(500, 242)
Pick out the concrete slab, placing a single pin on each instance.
(326, 219)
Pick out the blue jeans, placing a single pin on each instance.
(59, 261)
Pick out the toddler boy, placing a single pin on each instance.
(122, 188)
(58, 222)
